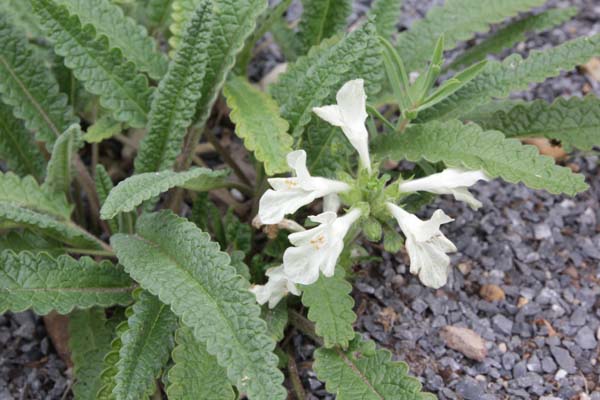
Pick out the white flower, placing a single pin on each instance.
(452, 181)
(292, 193)
(350, 114)
(317, 249)
(426, 245)
(276, 287)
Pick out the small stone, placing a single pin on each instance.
(560, 374)
(563, 359)
(464, 341)
(548, 365)
(529, 380)
(492, 293)
(469, 389)
(509, 360)
(585, 338)
(550, 398)
(502, 324)
(464, 268)
(522, 302)
(519, 370)
(534, 364)
(502, 347)
(542, 231)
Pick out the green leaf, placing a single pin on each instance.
(145, 347)
(27, 85)
(575, 122)
(103, 71)
(44, 284)
(24, 203)
(314, 79)
(196, 374)
(59, 172)
(28, 241)
(109, 365)
(457, 20)
(122, 32)
(133, 191)
(327, 149)
(234, 21)
(103, 187)
(469, 146)
(89, 342)
(174, 103)
(104, 128)
(258, 123)
(17, 146)
(195, 278)
(513, 33)
(330, 308)
(158, 13)
(363, 372)
(19, 13)
(182, 12)
(237, 233)
(385, 15)
(276, 319)
(499, 79)
(320, 20)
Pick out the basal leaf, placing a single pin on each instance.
(31, 242)
(330, 307)
(363, 372)
(195, 278)
(385, 15)
(145, 347)
(44, 284)
(469, 146)
(109, 365)
(104, 128)
(258, 123)
(103, 71)
(103, 187)
(196, 374)
(320, 20)
(182, 11)
(133, 191)
(276, 319)
(59, 171)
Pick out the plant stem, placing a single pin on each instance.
(379, 116)
(305, 326)
(226, 157)
(91, 252)
(402, 125)
(294, 376)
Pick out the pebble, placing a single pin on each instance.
(585, 338)
(464, 341)
(548, 365)
(563, 359)
(492, 292)
(502, 324)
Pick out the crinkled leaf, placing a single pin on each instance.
(59, 171)
(276, 319)
(191, 274)
(105, 127)
(89, 342)
(122, 32)
(575, 122)
(44, 284)
(469, 146)
(363, 372)
(457, 20)
(182, 11)
(109, 366)
(328, 150)
(102, 70)
(104, 185)
(499, 79)
(133, 191)
(313, 80)
(28, 241)
(196, 374)
(320, 20)
(145, 347)
(29, 87)
(330, 308)
(385, 15)
(258, 123)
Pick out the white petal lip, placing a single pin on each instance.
(350, 114)
(275, 289)
(426, 245)
(317, 249)
(454, 181)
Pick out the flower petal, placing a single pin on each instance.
(275, 204)
(297, 161)
(430, 262)
(351, 99)
(301, 264)
(331, 114)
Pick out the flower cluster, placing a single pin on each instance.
(317, 250)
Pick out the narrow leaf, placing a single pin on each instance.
(104, 128)
(258, 123)
(109, 366)
(386, 14)
(196, 374)
(133, 191)
(44, 284)
(103, 71)
(28, 241)
(145, 347)
(469, 146)
(59, 173)
(182, 12)
(320, 20)
(195, 278)
(276, 319)
(103, 187)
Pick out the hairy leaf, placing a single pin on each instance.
(276, 319)
(195, 278)
(499, 79)
(19, 13)
(105, 127)
(363, 372)
(257, 121)
(133, 191)
(174, 103)
(469, 146)
(158, 12)
(122, 32)
(27, 85)
(28, 241)
(386, 14)
(103, 71)
(103, 187)
(27, 193)
(314, 79)
(89, 342)
(196, 374)
(330, 308)
(59, 172)
(321, 19)
(515, 32)
(457, 20)
(44, 284)
(109, 365)
(575, 122)
(328, 150)
(145, 347)
(17, 146)
(182, 11)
